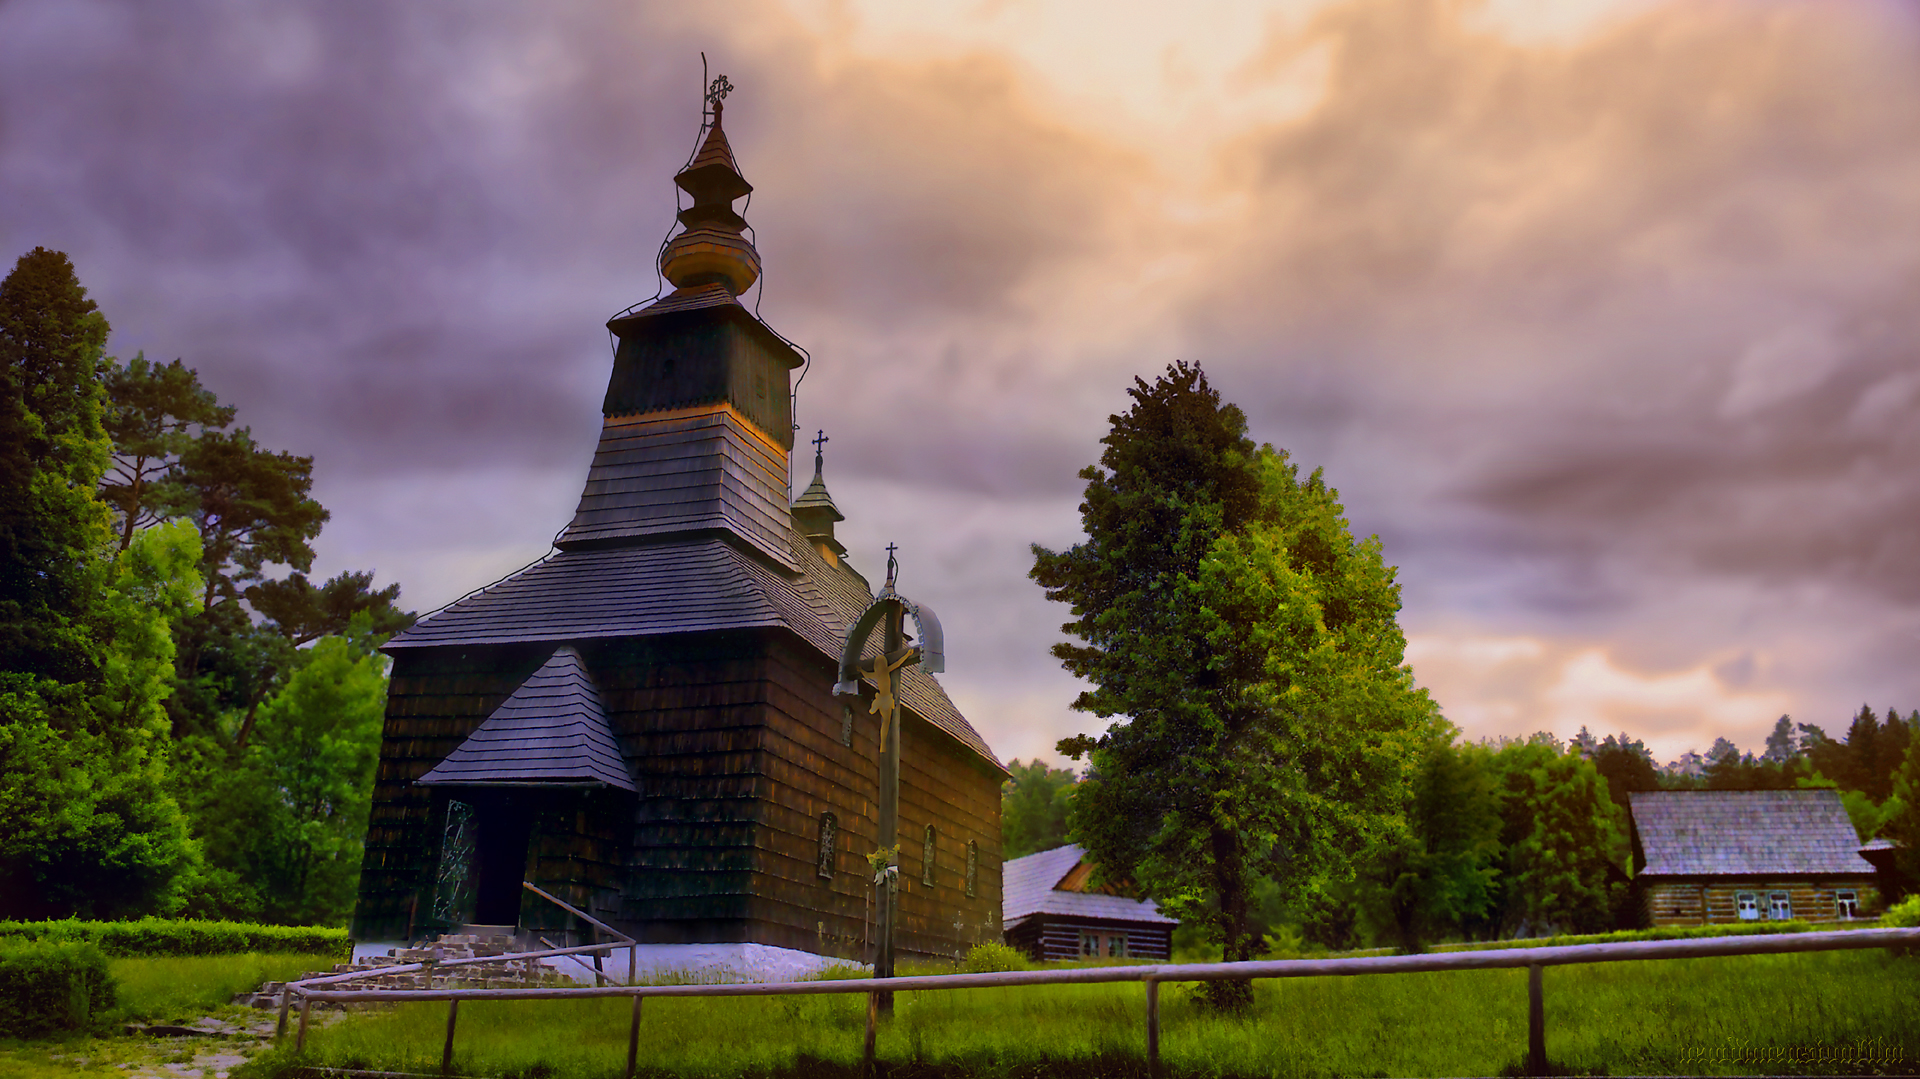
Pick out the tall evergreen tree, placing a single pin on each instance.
(1245, 648)
(1033, 808)
(154, 413)
(52, 452)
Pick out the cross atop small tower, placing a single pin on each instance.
(717, 93)
(893, 566)
(819, 455)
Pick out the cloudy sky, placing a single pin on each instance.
(1602, 320)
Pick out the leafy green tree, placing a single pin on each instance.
(1033, 808)
(1246, 648)
(1436, 879)
(154, 413)
(1780, 744)
(1563, 839)
(85, 645)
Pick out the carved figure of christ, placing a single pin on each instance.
(882, 674)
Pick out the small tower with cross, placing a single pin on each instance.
(814, 513)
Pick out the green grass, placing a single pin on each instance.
(1619, 1018)
(181, 988)
(158, 990)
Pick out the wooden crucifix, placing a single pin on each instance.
(888, 613)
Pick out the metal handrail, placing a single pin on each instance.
(1534, 959)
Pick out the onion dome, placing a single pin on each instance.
(713, 249)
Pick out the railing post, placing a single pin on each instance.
(633, 1038)
(633, 956)
(300, 1039)
(1536, 1023)
(1153, 1028)
(873, 1022)
(446, 1055)
(286, 1002)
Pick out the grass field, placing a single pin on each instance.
(162, 990)
(1787, 1014)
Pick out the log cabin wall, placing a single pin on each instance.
(1049, 937)
(1715, 901)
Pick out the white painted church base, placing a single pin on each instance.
(707, 963)
(689, 962)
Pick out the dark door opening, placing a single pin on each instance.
(500, 859)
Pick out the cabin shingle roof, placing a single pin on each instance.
(1027, 888)
(552, 729)
(1745, 833)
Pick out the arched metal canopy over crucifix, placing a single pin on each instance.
(888, 613)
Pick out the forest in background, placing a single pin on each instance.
(188, 724)
(1529, 837)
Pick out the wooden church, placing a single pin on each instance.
(644, 722)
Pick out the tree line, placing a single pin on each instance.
(1270, 771)
(188, 723)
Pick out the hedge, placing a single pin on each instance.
(48, 986)
(1671, 932)
(162, 936)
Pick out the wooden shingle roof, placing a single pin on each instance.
(1745, 833)
(684, 471)
(1031, 885)
(552, 729)
(679, 586)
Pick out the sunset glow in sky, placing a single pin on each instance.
(1600, 315)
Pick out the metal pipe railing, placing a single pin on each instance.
(1534, 959)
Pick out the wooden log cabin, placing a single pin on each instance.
(1051, 911)
(644, 722)
(1705, 857)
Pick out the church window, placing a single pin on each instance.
(846, 725)
(973, 866)
(829, 835)
(926, 857)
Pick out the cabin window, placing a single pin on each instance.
(1846, 904)
(1117, 946)
(829, 835)
(926, 857)
(1089, 944)
(973, 866)
(846, 725)
(1779, 907)
(1748, 905)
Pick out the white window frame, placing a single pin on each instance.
(1846, 903)
(1746, 906)
(1779, 907)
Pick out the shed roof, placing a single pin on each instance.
(1030, 886)
(552, 729)
(1745, 833)
(685, 585)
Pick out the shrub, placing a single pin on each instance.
(994, 956)
(48, 986)
(163, 936)
(1903, 915)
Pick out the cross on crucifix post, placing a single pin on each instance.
(887, 613)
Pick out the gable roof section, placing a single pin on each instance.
(1029, 886)
(1746, 833)
(690, 585)
(552, 729)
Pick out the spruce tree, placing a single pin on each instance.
(1245, 648)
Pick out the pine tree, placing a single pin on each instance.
(1245, 648)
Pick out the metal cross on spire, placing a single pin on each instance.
(893, 566)
(717, 92)
(818, 454)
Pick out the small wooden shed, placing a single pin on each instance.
(1703, 857)
(1051, 912)
(644, 721)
